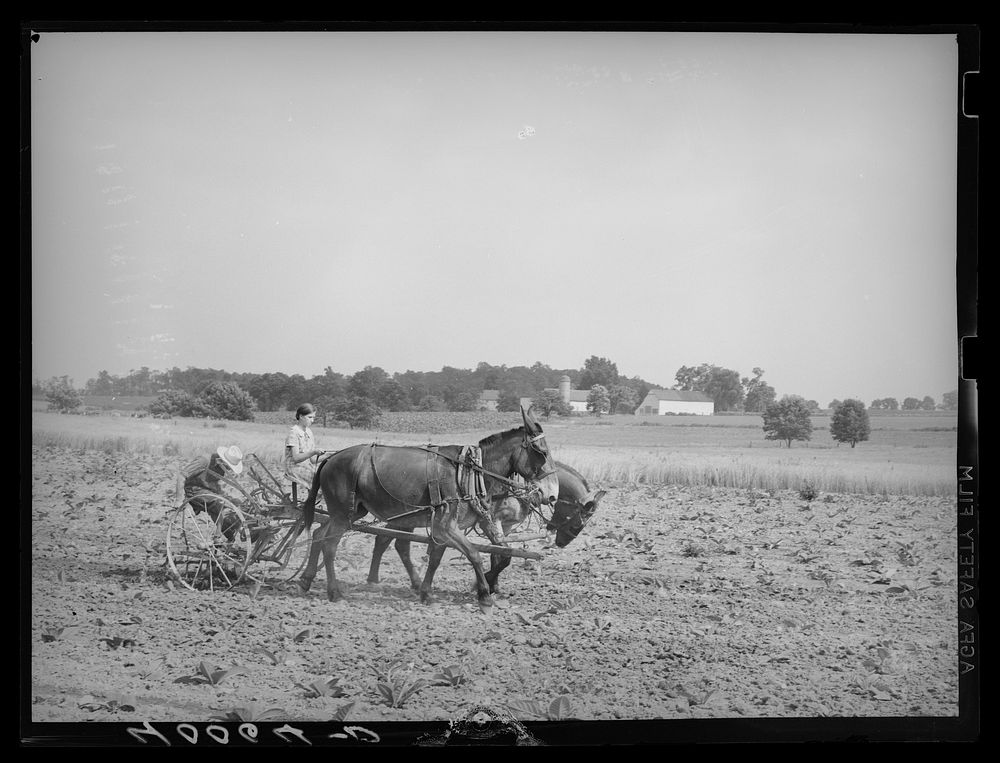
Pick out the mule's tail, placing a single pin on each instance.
(309, 507)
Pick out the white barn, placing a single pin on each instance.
(659, 402)
(575, 398)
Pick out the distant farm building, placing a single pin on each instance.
(488, 399)
(575, 398)
(660, 402)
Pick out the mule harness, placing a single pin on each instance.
(470, 477)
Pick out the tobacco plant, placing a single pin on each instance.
(276, 658)
(453, 675)
(252, 714)
(559, 709)
(323, 687)
(50, 633)
(207, 675)
(396, 684)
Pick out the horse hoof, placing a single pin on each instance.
(486, 606)
(304, 585)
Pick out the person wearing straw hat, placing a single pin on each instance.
(204, 475)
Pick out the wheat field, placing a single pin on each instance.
(905, 455)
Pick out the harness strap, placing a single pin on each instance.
(472, 484)
(433, 482)
(511, 484)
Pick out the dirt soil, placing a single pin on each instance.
(673, 603)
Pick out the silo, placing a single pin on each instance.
(564, 383)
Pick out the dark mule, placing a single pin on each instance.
(573, 509)
(433, 487)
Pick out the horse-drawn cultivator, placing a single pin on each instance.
(259, 536)
(264, 536)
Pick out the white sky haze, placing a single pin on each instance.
(291, 201)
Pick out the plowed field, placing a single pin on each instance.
(674, 603)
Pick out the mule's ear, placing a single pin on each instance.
(530, 422)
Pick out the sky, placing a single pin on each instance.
(264, 202)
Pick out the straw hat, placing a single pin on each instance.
(233, 457)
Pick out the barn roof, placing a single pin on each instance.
(679, 395)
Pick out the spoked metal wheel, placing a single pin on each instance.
(280, 555)
(206, 552)
(287, 554)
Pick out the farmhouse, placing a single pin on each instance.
(576, 398)
(659, 402)
(488, 400)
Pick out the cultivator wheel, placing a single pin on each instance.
(205, 552)
(280, 555)
(281, 551)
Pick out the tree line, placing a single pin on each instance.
(357, 398)
(731, 392)
(360, 397)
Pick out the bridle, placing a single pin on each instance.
(579, 512)
(529, 443)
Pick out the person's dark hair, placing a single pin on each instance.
(304, 410)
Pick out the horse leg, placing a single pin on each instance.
(309, 573)
(498, 563)
(457, 539)
(381, 544)
(335, 529)
(434, 553)
(403, 549)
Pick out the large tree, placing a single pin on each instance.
(598, 401)
(359, 412)
(787, 419)
(723, 385)
(622, 398)
(598, 371)
(104, 384)
(175, 402)
(850, 423)
(271, 391)
(549, 401)
(391, 396)
(61, 395)
(758, 394)
(227, 400)
(489, 377)
(366, 382)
